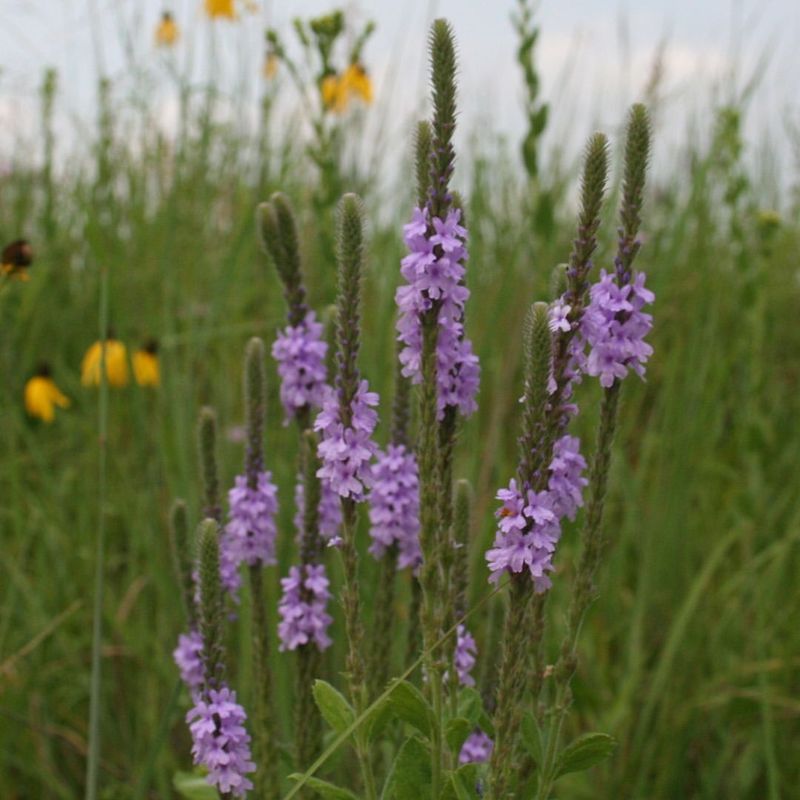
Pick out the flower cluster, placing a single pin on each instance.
(300, 352)
(394, 506)
(330, 510)
(303, 608)
(614, 327)
(249, 536)
(477, 749)
(526, 537)
(434, 273)
(566, 481)
(346, 452)
(188, 657)
(220, 741)
(464, 656)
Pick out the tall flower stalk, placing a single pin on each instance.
(524, 547)
(346, 424)
(437, 355)
(637, 153)
(258, 487)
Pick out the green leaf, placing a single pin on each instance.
(193, 786)
(408, 703)
(333, 706)
(456, 732)
(461, 784)
(532, 737)
(584, 752)
(325, 789)
(410, 776)
(377, 721)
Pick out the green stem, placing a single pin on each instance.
(266, 756)
(583, 592)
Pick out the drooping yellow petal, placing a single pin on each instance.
(41, 396)
(116, 364)
(146, 371)
(167, 31)
(220, 8)
(334, 93)
(358, 82)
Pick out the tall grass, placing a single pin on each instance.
(689, 657)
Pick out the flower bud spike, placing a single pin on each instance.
(443, 84)
(255, 392)
(422, 161)
(211, 607)
(207, 445)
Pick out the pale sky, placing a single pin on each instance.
(594, 56)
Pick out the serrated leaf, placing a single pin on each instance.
(324, 789)
(410, 776)
(532, 737)
(456, 732)
(585, 752)
(193, 786)
(333, 706)
(408, 703)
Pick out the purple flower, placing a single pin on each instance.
(300, 353)
(464, 656)
(345, 452)
(558, 316)
(394, 506)
(528, 531)
(303, 608)
(330, 510)
(249, 536)
(188, 657)
(477, 749)
(614, 327)
(434, 272)
(566, 481)
(221, 742)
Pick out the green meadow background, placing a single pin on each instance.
(691, 654)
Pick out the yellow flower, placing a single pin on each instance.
(146, 371)
(167, 31)
(334, 93)
(42, 396)
(358, 82)
(271, 66)
(116, 364)
(220, 8)
(15, 260)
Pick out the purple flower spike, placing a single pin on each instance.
(302, 608)
(614, 326)
(528, 531)
(566, 477)
(249, 536)
(300, 352)
(346, 452)
(477, 749)
(394, 506)
(221, 742)
(434, 272)
(464, 656)
(188, 657)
